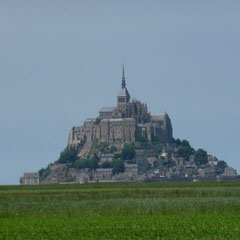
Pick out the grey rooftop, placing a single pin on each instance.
(123, 93)
(107, 109)
(157, 117)
(118, 120)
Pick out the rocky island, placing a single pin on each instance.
(127, 143)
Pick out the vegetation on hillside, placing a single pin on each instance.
(118, 166)
(67, 156)
(128, 152)
(91, 163)
(185, 150)
(44, 173)
(201, 157)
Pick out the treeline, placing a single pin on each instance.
(200, 156)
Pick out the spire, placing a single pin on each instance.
(123, 78)
(123, 95)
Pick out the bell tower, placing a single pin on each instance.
(123, 96)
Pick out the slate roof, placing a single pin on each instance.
(123, 93)
(31, 175)
(157, 117)
(118, 120)
(107, 109)
(90, 119)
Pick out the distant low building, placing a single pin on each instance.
(30, 178)
(230, 172)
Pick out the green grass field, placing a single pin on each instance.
(168, 210)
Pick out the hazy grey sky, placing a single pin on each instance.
(60, 62)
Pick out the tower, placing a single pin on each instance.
(123, 96)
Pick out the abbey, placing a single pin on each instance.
(127, 122)
(127, 143)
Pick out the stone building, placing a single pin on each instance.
(230, 172)
(30, 178)
(124, 123)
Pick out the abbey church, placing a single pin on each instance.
(124, 123)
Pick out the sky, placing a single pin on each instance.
(61, 61)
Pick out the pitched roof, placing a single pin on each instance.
(31, 174)
(123, 92)
(107, 109)
(118, 120)
(157, 117)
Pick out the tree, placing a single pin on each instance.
(118, 166)
(44, 172)
(178, 142)
(91, 163)
(113, 149)
(185, 143)
(103, 147)
(117, 156)
(128, 152)
(201, 157)
(222, 165)
(107, 165)
(141, 138)
(68, 156)
(41, 172)
(159, 147)
(185, 149)
(81, 163)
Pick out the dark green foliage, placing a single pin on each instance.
(41, 172)
(113, 149)
(141, 138)
(118, 166)
(158, 147)
(44, 172)
(70, 179)
(178, 142)
(155, 140)
(117, 156)
(201, 157)
(185, 150)
(91, 163)
(103, 147)
(146, 145)
(222, 165)
(107, 165)
(128, 152)
(94, 162)
(67, 156)
(185, 143)
(132, 161)
(164, 161)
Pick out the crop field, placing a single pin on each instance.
(167, 210)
